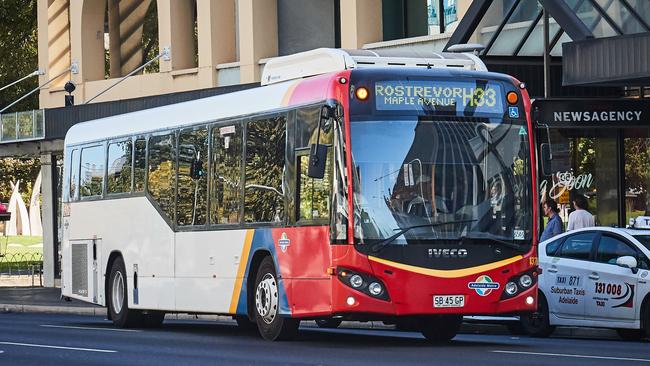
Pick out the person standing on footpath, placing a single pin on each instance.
(580, 217)
(554, 225)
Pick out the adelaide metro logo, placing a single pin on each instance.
(483, 285)
(284, 242)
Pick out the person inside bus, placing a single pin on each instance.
(580, 217)
(554, 225)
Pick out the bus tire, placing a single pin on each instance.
(441, 328)
(328, 323)
(537, 324)
(118, 301)
(270, 324)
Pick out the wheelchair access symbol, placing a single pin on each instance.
(513, 112)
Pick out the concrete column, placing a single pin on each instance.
(361, 23)
(175, 29)
(43, 49)
(258, 36)
(58, 39)
(217, 32)
(48, 190)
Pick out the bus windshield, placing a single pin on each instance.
(423, 171)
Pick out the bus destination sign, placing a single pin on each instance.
(461, 97)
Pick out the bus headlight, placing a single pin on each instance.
(511, 288)
(356, 281)
(525, 281)
(375, 289)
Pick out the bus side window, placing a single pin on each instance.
(161, 183)
(225, 177)
(119, 167)
(314, 194)
(92, 171)
(192, 195)
(74, 175)
(139, 165)
(265, 158)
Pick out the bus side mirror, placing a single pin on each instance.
(546, 158)
(317, 160)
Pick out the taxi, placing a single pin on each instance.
(595, 277)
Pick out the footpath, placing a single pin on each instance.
(49, 300)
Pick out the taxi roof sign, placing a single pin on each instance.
(641, 222)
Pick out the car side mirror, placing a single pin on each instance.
(628, 262)
(546, 157)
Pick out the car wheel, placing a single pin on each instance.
(440, 328)
(118, 302)
(536, 324)
(270, 324)
(630, 334)
(329, 323)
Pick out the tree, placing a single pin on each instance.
(18, 57)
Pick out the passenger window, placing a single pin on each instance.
(226, 175)
(265, 157)
(139, 165)
(551, 248)
(119, 167)
(92, 171)
(313, 194)
(192, 201)
(74, 175)
(161, 183)
(577, 246)
(611, 248)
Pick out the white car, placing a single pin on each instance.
(594, 277)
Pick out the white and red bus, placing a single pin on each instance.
(349, 186)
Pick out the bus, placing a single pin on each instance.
(350, 185)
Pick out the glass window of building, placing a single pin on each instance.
(119, 167)
(637, 174)
(161, 183)
(192, 195)
(265, 159)
(226, 174)
(139, 165)
(92, 171)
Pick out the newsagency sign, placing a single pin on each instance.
(577, 113)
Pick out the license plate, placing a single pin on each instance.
(449, 301)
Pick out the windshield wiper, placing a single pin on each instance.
(508, 244)
(380, 245)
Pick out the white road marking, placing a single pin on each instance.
(575, 356)
(58, 347)
(88, 328)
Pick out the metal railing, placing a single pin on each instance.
(22, 126)
(22, 264)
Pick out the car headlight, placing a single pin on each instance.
(525, 281)
(511, 288)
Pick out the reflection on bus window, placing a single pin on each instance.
(92, 171)
(314, 194)
(119, 167)
(265, 156)
(74, 175)
(225, 178)
(162, 172)
(192, 193)
(139, 165)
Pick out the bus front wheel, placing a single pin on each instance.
(271, 325)
(441, 328)
(117, 298)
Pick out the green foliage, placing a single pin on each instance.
(18, 52)
(12, 169)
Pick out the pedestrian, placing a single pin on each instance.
(580, 217)
(554, 225)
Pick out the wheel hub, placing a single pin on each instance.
(117, 292)
(266, 298)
